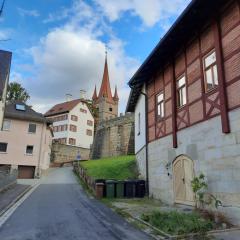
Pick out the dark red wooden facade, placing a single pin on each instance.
(221, 34)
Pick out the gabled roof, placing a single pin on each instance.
(64, 107)
(5, 63)
(27, 114)
(190, 22)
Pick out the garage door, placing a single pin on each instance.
(26, 172)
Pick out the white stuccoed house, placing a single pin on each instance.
(73, 123)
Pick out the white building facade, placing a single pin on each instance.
(73, 123)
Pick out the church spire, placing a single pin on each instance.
(115, 98)
(95, 97)
(105, 90)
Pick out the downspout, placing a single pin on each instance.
(146, 139)
(40, 151)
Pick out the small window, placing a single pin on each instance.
(89, 132)
(83, 110)
(160, 106)
(110, 109)
(29, 149)
(74, 118)
(139, 124)
(6, 125)
(32, 128)
(20, 107)
(210, 71)
(89, 123)
(181, 92)
(73, 128)
(3, 147)
(72, 141)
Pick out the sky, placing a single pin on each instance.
(59, 45)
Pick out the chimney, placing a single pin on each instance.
(68, 97)
(82, 94)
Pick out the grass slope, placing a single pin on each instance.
(119, 168)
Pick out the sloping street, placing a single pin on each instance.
(59, 209)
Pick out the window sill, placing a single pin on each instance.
(3, 152)
(31, 132)
(28, 154)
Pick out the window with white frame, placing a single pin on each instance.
(32, 128)
(29, 150)
(6, 125)
(3, 147)
(160, 105)
(210, 71)
(181, 91)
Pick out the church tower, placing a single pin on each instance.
(106, 103)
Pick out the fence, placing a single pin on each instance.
(83, 175)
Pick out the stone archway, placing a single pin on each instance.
(183, 173)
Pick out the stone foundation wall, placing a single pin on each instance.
(64, 153)
(114, 137)
(214, 154)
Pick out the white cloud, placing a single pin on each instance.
(150, 12)
(71, 57)
(25, 12)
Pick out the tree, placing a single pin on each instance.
(16, 92)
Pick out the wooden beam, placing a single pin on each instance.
(174, 105)
(221, 77)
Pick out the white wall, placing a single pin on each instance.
(140, 139)
(82, 139)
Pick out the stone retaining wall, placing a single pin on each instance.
(65, 153)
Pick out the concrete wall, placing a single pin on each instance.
(140, 136)
(65, 153)
(114, 137)
(214, 154)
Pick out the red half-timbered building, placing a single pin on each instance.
(192, 85)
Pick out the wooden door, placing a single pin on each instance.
(183, 175)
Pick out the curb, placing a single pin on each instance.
(15, 200)
(167, 236)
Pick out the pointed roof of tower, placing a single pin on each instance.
(116, 98)
(95, 97)
(105, 90)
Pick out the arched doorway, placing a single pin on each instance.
(183, 174)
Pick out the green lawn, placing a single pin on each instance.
(119, 168)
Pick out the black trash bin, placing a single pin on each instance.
(130, 188)
(140, 188)
(104, 187)
(119, 189)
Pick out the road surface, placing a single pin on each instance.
(59, 209)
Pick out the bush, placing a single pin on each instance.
(178, 223)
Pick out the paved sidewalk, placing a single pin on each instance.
(233, 235)
(10, 195)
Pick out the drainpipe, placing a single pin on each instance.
(146, 139)
(40, 151)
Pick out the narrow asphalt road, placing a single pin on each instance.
(59, 209)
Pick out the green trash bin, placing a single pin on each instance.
(120, 189)
(110, 188)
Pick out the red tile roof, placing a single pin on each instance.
(62, 107)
